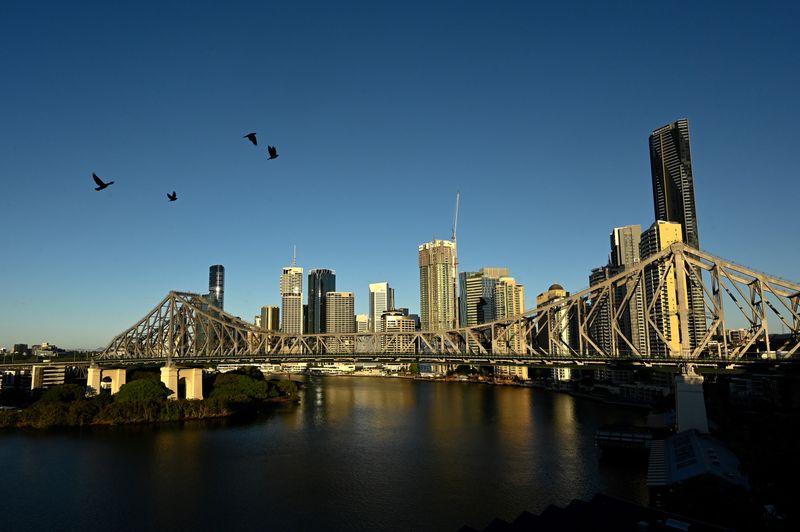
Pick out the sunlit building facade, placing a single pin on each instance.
(270, 318)
(438, 285)
(397, 323)
(292, 300)
(340, 318)
(661, 288)
(509, 302)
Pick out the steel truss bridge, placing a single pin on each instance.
(664, 293)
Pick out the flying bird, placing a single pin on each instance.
(173, 196)
(273, 153)
(100, 184)
(252, 137)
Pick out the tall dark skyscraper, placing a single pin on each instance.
(216, 285)
(673, 182)
(673, 199)
(320, 282)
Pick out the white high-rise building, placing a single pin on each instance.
(292, 300)
(381, 299)
(340, 318)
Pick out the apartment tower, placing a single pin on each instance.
(661, 290)
(340, 318)
(438, 280)
(292, 300)
(674, 201)
(625, 253)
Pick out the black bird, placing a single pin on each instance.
(273, 153)
(100, 184)
(173, 196)
(252, 137)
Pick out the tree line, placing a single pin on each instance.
(144, 399)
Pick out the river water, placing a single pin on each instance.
(356, 454)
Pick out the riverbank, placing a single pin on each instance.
(145, 400)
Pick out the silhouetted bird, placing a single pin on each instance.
(252, 137)
(173, 196)
(100, 184)
(273, 153)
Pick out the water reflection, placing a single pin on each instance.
(356, 454)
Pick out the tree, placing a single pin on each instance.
(64, 393)
(287, 387)
(142, 391)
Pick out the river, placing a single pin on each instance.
(355, 454)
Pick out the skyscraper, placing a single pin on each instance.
(509, 301)
(216, 285)
(486, 311)
(673, 182)
(661, 289)
(381, 299)
(292, 300)
(625, 245)
(438, 293)
(477, 298)
(340, 318)
(470, 297)
(600, 329)
(625, 252)
(673, 199)
(320, 282)
(270, 318)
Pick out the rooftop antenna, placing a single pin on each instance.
(294, 256)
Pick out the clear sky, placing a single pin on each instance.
(539, 114)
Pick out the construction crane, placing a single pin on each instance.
(455, 264)
(455, 218)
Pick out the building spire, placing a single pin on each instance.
(294, 256)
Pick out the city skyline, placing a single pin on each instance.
(387, 113)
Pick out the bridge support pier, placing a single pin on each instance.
(690, 405)
(193, 377)
(98, 377)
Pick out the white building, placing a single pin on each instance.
(381, 299)
(292, 300)
(340, 318)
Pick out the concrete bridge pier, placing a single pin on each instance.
(193, 378)
(690, 405)
(98, 378)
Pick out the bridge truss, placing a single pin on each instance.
(672, 305)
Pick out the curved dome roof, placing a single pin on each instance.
(556, 287)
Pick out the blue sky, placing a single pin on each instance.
(538, 114)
